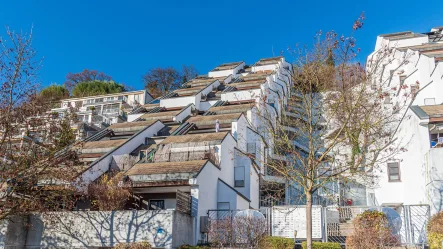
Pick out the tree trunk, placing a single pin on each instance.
(309, 220)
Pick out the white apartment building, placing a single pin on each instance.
(415, 176)
(94, 113)
(199, 148)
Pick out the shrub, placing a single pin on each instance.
(371, 230)
(135, 245)
(322, 245)
(435, 231)
(272, 242)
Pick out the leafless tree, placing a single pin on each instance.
(28, 164)
(160, 81)
(72, 79)
(188, 73)
(339, 122)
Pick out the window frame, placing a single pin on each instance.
(244, 176)
(156, 200)
(389, 172)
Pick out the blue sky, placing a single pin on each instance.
(126, 38)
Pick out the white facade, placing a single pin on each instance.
(420, 166)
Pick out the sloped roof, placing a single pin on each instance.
(433, 110)
(232, 108)
(212, 118)
(160, 114)
(167, 167)
(103, 144)
(141, 124)
(203, 137)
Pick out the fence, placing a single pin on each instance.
(408, 222)
(333, 224)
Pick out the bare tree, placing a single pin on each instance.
(160, 81)
(72, 79)
(338, 125)
(28, 164)
(188, 73)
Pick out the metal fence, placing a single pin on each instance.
(409, 227)
(335, 223)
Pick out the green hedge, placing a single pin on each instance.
(277, 243)
(322, 245)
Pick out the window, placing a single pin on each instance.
(394, 172)
(251, 148)
(430, 101)
(99, 100)
(156, 204)
(239, 176)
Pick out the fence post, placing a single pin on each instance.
(325, 224)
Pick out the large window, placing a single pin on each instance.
(394, 172)
(239, 176)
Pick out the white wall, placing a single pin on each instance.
(411, 189)
(241, 95)
(179, 101)
(132, 117)
(184, 113)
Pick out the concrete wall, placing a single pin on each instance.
(160, 228)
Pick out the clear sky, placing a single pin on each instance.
(126, 38)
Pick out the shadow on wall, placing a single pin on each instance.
(94, 229)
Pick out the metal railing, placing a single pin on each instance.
(336, 223)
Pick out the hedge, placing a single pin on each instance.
(435, 231)
(322, 245)
(272, 242)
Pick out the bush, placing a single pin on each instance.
(435, 231)
(277, 243)
(322, 245)
(135, 245)
(371, 230)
